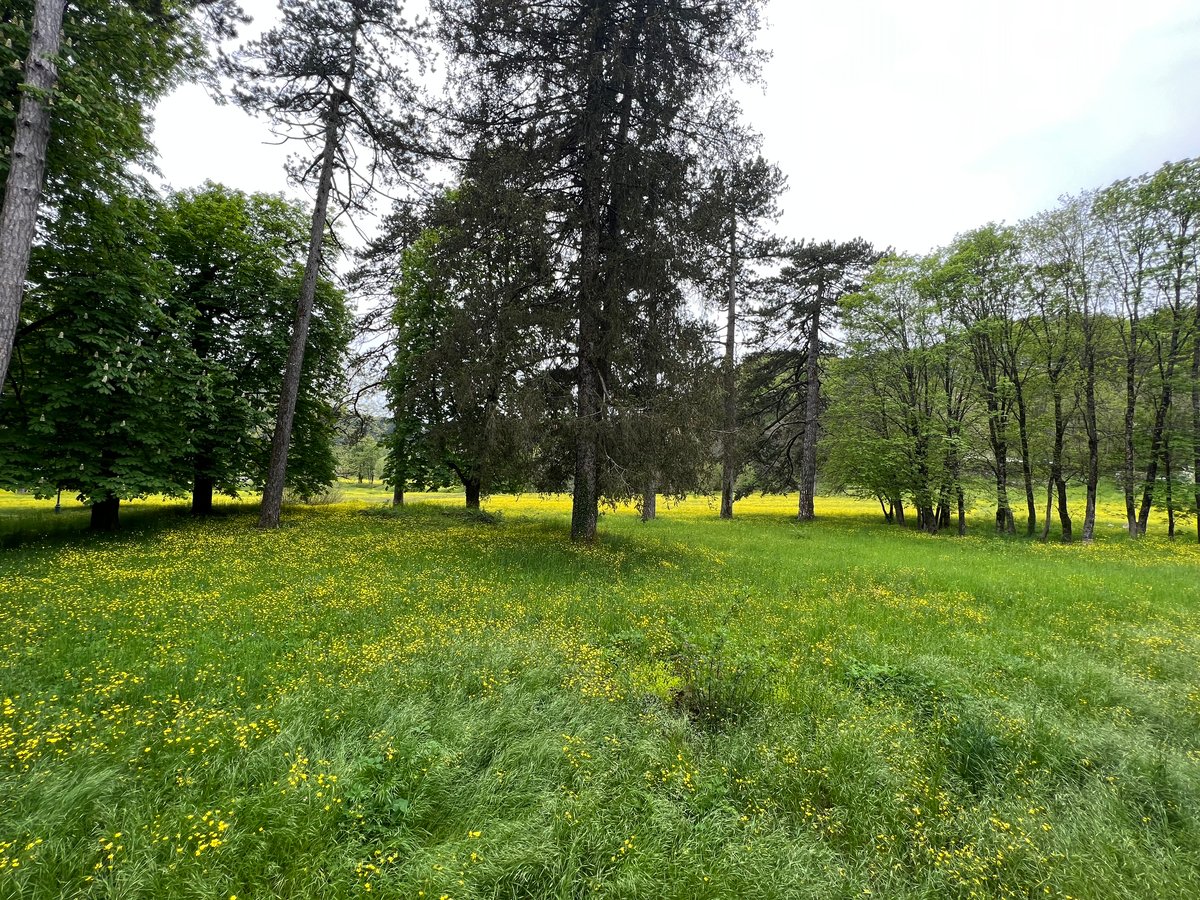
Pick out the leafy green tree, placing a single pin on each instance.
(236, 261)
(103, 383)
(76, 82)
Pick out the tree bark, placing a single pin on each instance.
(27, 171)
(1131, 521)
(1158, 438)
(585, 500)
(106, 513)
(472, 487)
(1056, 469)
(650, 502)
(998, 425)
(272, 502)
(729, 377)
(1196, 414)
(1093, 432)
(812, 401)
(397, 494)
(1026, 463)
(1169, 475)
(202, 494)
(962, 513)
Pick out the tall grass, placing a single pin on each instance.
(429, 704)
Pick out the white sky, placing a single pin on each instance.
(904, 123)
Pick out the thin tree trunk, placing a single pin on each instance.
(1049, 506)
(729, 374)
(962, 513)
(1004, 517)
(1170, 490)
(1026, 463)
(1158, 437)
(585, 500)
(27, 171)
(272, 502)
(812, 402)
(1131, 521)
(1093, 436)
(1056, 469)
(106, 513)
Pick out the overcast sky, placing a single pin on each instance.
(904, 123)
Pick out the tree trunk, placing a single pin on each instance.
(1056, 469)
(1196, 414)
(888, 516)
(729, 376)
(1049, 508)
(398, 494)
(1026, 463)
(272, 502)
(106, 513)
(472, 487)
(202, 495)
(1131, 522)
(27, 171)
(1093, 437)
(962, 513)
(1170, 490)
(585, 500)
(812, 402)
(898, 509)
(1004, 517)
(1158, 437)
(650, 501)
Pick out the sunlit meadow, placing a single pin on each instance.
(433, 705)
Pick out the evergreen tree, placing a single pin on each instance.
(336, 75)
(606, 96)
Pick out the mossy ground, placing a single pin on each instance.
(434, 705)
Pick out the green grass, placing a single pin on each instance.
(365, 703)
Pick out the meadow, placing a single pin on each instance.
(430, 704)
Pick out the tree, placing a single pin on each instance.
(103, 387)
(236, 261)
(743, 194)
(606, 96)
(27, 169)
(76, 86)
(980, 279)
(785, 380)
(477, 318)
(335, 75)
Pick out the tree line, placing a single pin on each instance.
(576, 284)
(1061, 349)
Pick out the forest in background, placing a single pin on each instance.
(576, 284)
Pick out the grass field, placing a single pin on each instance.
(432, 705)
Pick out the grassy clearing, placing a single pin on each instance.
(436, 705)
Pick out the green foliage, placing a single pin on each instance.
(384, 696)
(237, 261)
(102, 389)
